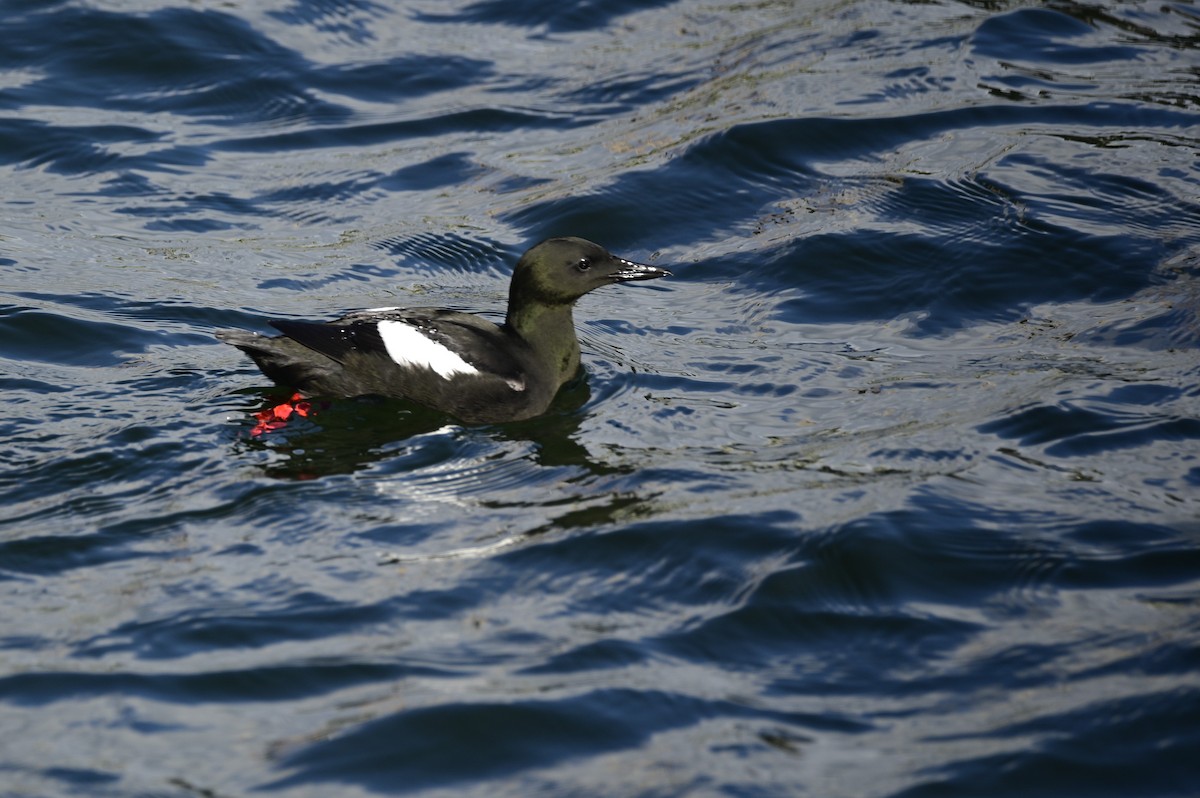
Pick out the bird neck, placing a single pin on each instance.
(549, 330)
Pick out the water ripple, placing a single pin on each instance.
(890, 490)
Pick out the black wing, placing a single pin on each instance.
(480, 343)
(337, 341)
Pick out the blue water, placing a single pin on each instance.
(892, 490)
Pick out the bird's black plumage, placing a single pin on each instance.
(459, 363)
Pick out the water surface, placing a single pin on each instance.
(892, 490)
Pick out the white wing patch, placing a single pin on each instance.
(408, 346)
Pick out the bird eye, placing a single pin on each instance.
(584, 264)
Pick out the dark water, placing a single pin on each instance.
(893, 490)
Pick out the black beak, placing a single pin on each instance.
(629, 271)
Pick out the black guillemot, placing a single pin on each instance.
(458, 363)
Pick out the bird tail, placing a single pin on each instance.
(285, 361)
